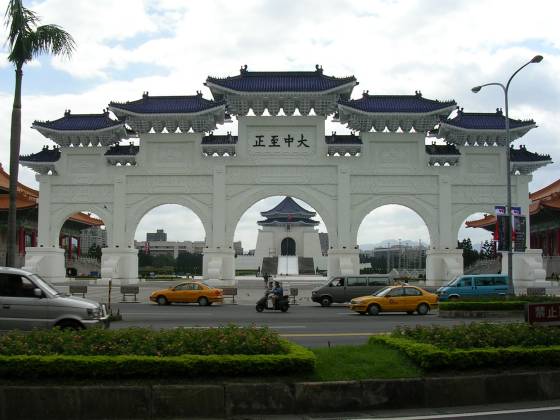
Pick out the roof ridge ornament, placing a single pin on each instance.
(319, 68)
(365, 94)
(145, 95)
(418, 93)
(499, 111)
(67, 112)
(243, 69)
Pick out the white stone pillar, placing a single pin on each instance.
(446, 236)
(528, 270)
(47, 258)
(344, 256)
(218, 261)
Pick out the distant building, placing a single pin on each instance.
(159, 235)
(238, 248)
(172, 248)
(399, 257)
(93, 236)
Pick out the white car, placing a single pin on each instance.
(27, 302)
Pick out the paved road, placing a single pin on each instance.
(306, 322)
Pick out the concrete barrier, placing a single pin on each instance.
(152, 401)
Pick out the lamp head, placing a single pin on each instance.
(476, 89)
(537, 59)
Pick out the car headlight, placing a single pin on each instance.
(94, 313)
(353, 302)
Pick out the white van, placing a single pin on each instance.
(27, 302)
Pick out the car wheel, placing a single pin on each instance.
(423, 309)
(453, 298)
(162, 300)
(70, 324)
(284, 308)
(202, 301)
(374, 310)
(326, 301)
(259, 308)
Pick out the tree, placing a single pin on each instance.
(26, 41)
(470, 255)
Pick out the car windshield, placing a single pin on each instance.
(382, 292)
(44, 284)
(452, 282)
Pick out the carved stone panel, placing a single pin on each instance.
(298, 175)
(78, 164)
(82, 194)
(469, 194)
(394, 155)
(402, 184)
(164, 184)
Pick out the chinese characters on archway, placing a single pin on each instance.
(280, 141)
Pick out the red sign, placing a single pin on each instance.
(543, 313)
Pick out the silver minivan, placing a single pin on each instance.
(345, 288)
(27, 302)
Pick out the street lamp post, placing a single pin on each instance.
(476, 89)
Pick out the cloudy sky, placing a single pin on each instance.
(169, 47)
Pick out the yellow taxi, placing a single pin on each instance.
(401, 298)
(188, 292)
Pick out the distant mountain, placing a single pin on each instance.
(390, 242)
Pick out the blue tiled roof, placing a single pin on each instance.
(288, 207)
(45, 155)
(167, 104)
(302, 221)
(442, 149)
(274, 81)
(219, 139)
(80, 122)
(485, 121)
(523, 155)
(343, 139)
(396, 103)
(122, 150)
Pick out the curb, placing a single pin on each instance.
(481, 314)
(232, 399)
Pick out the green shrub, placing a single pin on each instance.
(143, 342)
(430, 357)
(476, 345)
(481, 335)
(295, 359)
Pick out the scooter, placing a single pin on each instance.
(282, 303)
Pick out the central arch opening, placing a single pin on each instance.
(280, 235)
(288, 247)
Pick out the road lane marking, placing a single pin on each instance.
(477, 414)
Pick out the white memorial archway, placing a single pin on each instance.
(344, 177)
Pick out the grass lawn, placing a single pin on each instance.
(368, 361)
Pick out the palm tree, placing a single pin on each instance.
(26, 40)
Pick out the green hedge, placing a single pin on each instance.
(228, 339)
(297, 359)
(430, 357)
(476, 345)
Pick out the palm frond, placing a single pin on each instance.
(52, 39)
(19, 20)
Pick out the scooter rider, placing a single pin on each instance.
(277, 293)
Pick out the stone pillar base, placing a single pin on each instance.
(528, 270)
(443, 265)
(218, 268)
(343, 262)
(47, 262)
(119, 265)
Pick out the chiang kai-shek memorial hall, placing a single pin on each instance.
(278, 152)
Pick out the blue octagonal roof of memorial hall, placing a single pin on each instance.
(397, 103)
(288, 207)
(79, 122)
(281, 81)
(167, 104)
(485, 121)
